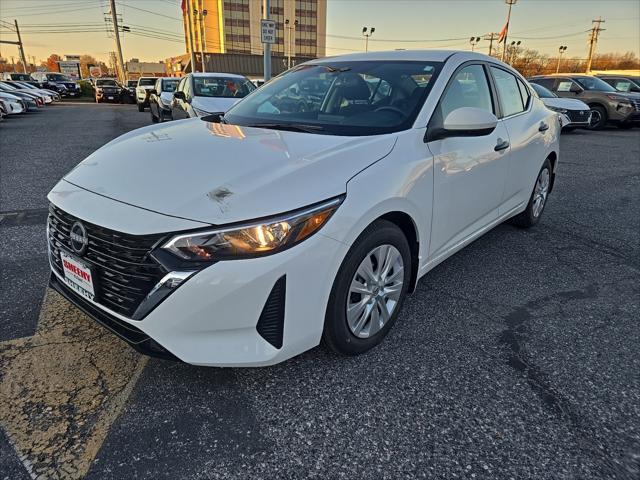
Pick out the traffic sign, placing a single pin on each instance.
(268, 31)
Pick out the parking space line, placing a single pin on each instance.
(62, 388)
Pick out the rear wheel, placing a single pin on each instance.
(538, 199)
(598, 118)
(369, 290)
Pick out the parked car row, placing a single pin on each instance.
(20, 96)
(610, 99)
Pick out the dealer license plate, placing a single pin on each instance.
(77, 276)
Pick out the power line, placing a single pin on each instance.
(149, 11)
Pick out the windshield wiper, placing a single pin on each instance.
(290, 127)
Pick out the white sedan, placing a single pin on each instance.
(307, 212)
(573, 113)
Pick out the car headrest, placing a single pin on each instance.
(353, 87)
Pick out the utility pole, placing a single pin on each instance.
(190, 34)
(21, 48)
(506, 31)
(491, 37)
(266, 14)
(114, 17)
(561, 50)
(366, 36)
(595, 32)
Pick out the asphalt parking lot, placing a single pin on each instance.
(517, 358)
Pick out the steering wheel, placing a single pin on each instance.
(391, 109)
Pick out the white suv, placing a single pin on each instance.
(307, 212)
(142, 91)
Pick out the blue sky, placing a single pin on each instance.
(539, 24)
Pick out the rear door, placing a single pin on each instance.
(529, 130)
(469, 172)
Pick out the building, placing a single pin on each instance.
(136, 69)
(233, 26)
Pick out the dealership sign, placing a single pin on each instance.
(71, 69)
(95, 71)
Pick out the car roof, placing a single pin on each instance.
(215, 74)
(553, 75)
(410, 55)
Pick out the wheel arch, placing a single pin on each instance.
(553, 159)
(405, 223)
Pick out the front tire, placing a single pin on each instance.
(538, 199)
(140, 107)
(598, 118)
(369, 290)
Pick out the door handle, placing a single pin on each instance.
(502, 145)
(543, 127)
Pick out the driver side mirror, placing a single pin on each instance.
(153, 92)
(466, 122)
(179, 95)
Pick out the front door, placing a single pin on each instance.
(469, 172)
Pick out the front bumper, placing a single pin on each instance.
(108, 97)
(213, 317)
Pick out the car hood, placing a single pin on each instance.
(166, 97)
(217, 173)
(567, 103)
(9, 96)
(213, 104)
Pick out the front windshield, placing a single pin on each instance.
(341, 98)
(106, 83)
(58, 77)
(594, 83)
(227, 87)
(169, 85)
(542, 91)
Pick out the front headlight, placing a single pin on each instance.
(557, 109)
(253, 239)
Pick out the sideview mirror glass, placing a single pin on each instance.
(469, 122)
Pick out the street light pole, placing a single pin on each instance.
(474, 41)
(290, 30)
(266, 14)
(506, 31)
(561, 50)
(366, 36)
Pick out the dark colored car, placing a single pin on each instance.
(108, 90)
(606, 103)
(129, 91)
(58, 82)
(160, 98)
(622, 83)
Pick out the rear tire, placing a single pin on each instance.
(375, 275)
(538, 199)
(598, 118)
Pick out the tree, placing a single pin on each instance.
(85, 61)
(52, 62)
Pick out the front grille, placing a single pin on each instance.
(123, 270)
(578, 115)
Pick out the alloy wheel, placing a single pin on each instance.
(375, 291)
(540, 192)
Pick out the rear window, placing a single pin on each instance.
(146, 81)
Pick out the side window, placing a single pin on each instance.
(524, 93)
(547, 83)
(508, 92)
(563, 85)
(468, 88)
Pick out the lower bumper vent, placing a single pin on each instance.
(271, 322)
